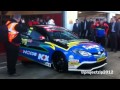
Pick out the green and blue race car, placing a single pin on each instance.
(56, 47)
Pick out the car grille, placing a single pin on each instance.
(90, 66)
(96, 53)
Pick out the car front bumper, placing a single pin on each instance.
(89, 66)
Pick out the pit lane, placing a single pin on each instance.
(37, 71)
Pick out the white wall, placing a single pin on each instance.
(69, 18)
(110, 15)
(116, 12)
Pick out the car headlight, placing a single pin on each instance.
(83, 53)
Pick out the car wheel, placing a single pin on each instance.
(59, 62)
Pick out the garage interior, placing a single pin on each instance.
(56, 15)
(33, 14)
(51, 14)
(91, 14)
(5, 15)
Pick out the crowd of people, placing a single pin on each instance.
(105, 33)
(38, 21)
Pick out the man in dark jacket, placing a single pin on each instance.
(90, 31)
(15, 28)
(77, 28)
(113, 34)
(84, 28)
(118, 33)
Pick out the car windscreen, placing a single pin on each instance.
(60, 34)
(35, 35)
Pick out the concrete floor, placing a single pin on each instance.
(36, 71)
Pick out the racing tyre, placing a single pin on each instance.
(59, 62)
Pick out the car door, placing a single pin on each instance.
(34, 48)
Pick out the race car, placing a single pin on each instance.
(57, 47)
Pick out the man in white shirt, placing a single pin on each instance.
(51, 22)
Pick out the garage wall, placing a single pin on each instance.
(57, 17)
(32, 12)
(117, 15)
(92, 15)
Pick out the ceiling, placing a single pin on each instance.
(90, 13)
(27, 12)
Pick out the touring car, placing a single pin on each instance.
(57, 47)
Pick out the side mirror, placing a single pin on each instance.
(42, 38)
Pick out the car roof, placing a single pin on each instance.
(50, 27)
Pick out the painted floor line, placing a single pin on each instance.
(3, 62)
(6, 66)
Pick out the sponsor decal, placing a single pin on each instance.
(72, 61)
(47, 64)
(90, 46)
(101, 59)
(71, 44)
(29, 53)
(71, 57)
(51, 45)
(43, 57)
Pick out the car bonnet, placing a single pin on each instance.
(86, 46)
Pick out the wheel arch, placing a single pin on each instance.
(56, 53)
(53, 58)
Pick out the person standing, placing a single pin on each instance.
(84, 28)
(47, 19)
(90, 31)
(108, 37)
(51, 22)
(105, 21)
(30, 23)
(102, 32)
(77, 28)
(35, 22)
(15, 29)
(42, 22)
(118, 33)
(113, 34)
(96, 24)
